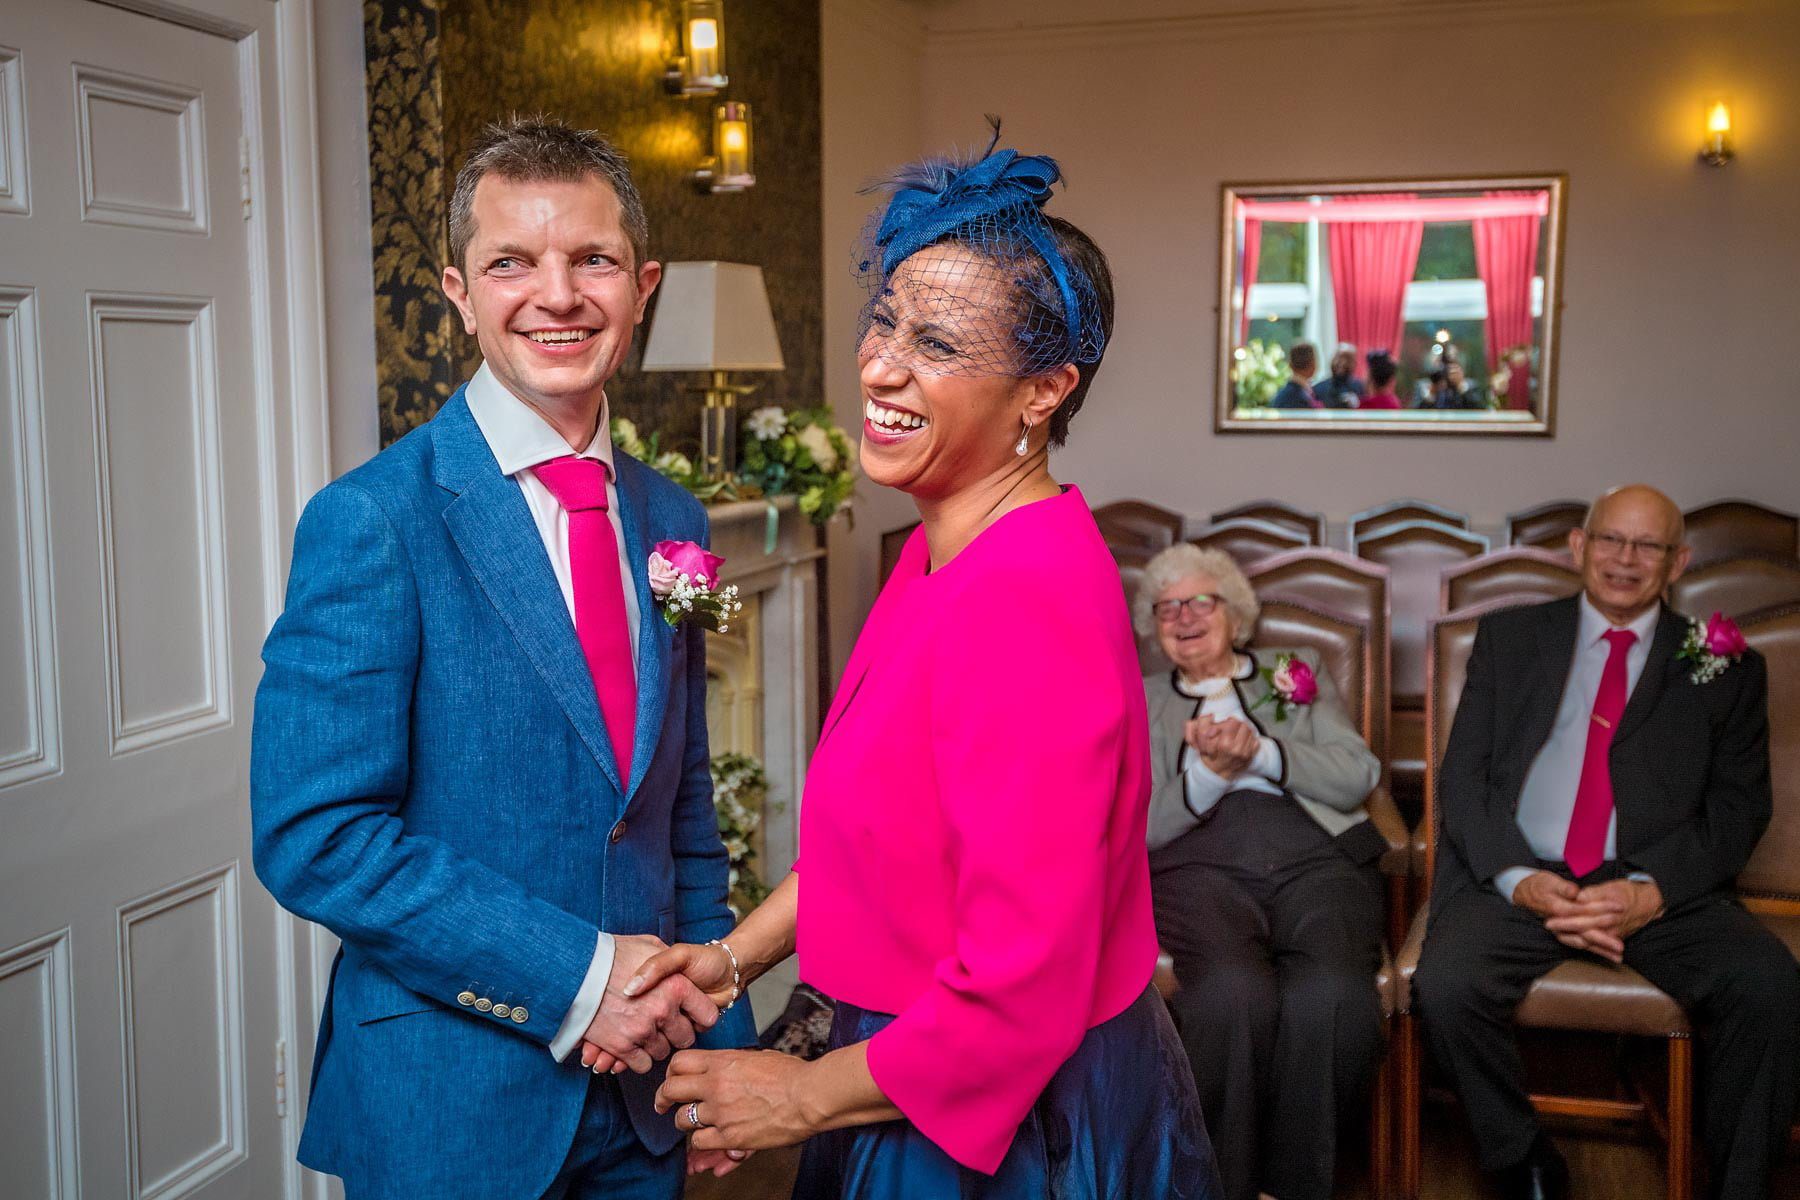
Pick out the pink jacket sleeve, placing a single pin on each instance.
(1027, 733)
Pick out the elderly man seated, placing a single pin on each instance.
(1264, 879)
(1601, 789)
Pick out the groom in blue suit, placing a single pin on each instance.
(432, 775)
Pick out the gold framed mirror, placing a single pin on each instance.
(1421, 306)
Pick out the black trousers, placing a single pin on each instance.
(1738, 983)
(1275, 929)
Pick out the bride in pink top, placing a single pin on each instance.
(973, 890)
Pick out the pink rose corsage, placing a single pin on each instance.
(685, 578)
(1712, 647)
(1292, 684)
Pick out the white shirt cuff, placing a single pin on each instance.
(1267, 762)
(1507, 880)
(1203, 789)
(587, 1000)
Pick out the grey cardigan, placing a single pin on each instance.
(1324, 762)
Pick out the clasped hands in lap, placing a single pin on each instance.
(1597, 918)
(657, 999)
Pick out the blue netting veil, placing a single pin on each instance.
(965, 272)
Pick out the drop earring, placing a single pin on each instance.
(1022, 446)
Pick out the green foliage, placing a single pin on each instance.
(740, 795)
(801, 453)
(1259, 373)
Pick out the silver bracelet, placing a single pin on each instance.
(737, 979)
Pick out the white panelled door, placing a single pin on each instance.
(138, 1002)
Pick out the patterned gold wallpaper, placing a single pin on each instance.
(439, 69)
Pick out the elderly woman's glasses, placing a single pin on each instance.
(1169, 611)
(1613, 545)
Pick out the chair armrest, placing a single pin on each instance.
(1385, 816)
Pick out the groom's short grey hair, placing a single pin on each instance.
(526, 149)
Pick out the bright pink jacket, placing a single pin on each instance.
(972, 830)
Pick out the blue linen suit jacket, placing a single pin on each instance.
(431, 780)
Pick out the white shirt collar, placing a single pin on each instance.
(518, 434)
(1594, 625)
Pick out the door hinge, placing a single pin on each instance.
(281, 1078)
(244, 174)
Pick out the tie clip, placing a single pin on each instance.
(1603, 721)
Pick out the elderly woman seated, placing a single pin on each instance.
(1264, 875)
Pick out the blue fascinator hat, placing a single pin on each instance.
(992, 206)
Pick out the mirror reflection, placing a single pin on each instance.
(1404, 306)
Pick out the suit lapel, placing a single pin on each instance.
(1556, 636)
(1670, 631)
(493, 530)
(655, 637)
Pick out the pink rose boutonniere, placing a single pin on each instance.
(1292, 684)
(685, 578)
(1712, 647)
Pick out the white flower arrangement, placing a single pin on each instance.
(767, 423)
(740, 794)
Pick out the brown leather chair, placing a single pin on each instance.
(1525, 573)
(1739, 528)
(1416, 553)
(1309, 525)
(1343, 643)
(1247, 540)
(1546, 525)
(1576, 995)
(1371, 521)
(1138, 524)
(1770, 883)
(1736, 586)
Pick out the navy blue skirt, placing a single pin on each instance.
(1120, 1119)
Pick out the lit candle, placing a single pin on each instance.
(703, 48)
(732, 139)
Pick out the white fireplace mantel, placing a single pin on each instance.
(763, 674)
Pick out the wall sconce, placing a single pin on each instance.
(733, 166)
(700, 70)
(1717, 150)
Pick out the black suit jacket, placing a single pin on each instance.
(1690, 762)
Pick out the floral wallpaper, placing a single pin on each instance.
(440, 69)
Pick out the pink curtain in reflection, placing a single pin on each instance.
(1252, 253)
(1506, 257)
(1371, 264)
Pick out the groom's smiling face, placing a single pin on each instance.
(550, 287)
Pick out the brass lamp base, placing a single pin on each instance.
(718, 427)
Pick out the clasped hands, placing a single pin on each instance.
(1597, 918)
(1227, 747)
(656, 998)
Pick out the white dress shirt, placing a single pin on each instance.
(1547, 801)
(1219, 701)
(521, 439)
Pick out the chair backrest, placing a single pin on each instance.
(1308, 525)
(1740, 528)
(1139, 524)
(1371, 521)
(892, 543)
(1248, 541)
(1416, 553)
(1450, 640)
(1522, 571)
(1545, 525)
(1772, 878)
(1735, 586)
(1334, 582)
(1342, 643)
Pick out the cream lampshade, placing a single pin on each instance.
(714, 317)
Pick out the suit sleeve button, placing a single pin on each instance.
(618, 833)
(483, 1004)
(465, 998)
(521, 1016)
(503, 1011)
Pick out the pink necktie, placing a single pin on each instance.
(1585, 848)
(579, 485)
